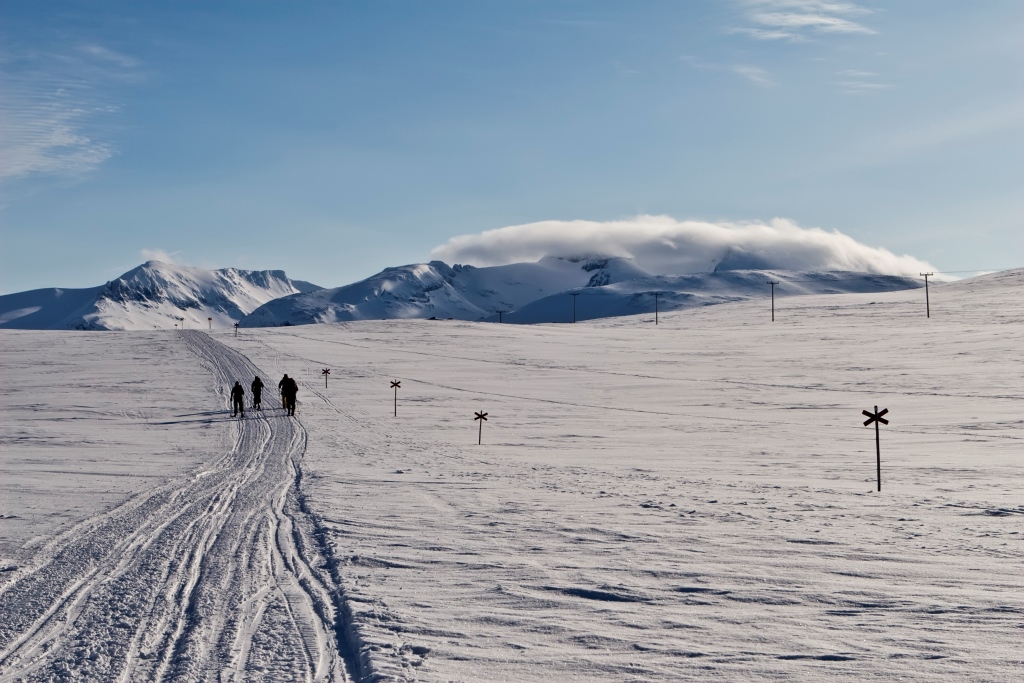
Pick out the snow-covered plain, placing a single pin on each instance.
(688, 501)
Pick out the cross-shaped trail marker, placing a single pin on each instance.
(876, 417)
(325, 372)
(480, 432)
(396, 385)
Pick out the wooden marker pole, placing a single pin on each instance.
(210, 322)
(482, 417)
(772, 283)
(396, 385)
(236, 329)
(574, 295)
(876, 417)
(325, 372)
(656, 308)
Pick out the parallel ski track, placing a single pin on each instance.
(217, 576)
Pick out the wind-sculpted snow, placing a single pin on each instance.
(153, 296)
(689, 502)
(213, 576)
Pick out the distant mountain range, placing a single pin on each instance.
(158, 295)
(155, 295)
(539, 292)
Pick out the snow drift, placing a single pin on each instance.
(154, 295)
(665, 246)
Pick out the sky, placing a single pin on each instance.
(334, 139)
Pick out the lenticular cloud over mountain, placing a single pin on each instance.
(666, 245)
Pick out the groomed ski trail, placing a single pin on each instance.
(213, 577)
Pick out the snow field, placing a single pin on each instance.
(693, 501)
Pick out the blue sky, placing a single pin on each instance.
(332, 139)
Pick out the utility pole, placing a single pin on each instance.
(574, 295)
(927, 301)
(773, 283)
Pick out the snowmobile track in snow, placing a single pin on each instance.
(216, 576)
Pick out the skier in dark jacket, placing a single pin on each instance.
(257, 393)
(289, 388)
(237, 392)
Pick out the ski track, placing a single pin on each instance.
(217, 576)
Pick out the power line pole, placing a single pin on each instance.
(927, 300)
(574, 295)
(773, 283)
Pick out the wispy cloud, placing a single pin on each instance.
(754, 74)
(750, 73)
(159, 255)
(855, 82)
(796, 20)
(56, 113)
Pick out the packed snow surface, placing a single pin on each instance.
(693, 500)
(539, 292)
(155, 295)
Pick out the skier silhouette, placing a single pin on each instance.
(257, 393)
(289, 388)
(237, 392)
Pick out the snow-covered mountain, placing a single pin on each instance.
(538, 292)
(154, 295)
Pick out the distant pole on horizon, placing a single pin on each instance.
(574, 295)
(236, 329)
(656, 308)
(500, 314)
(210, 321)
(773, 283)
(927, 300)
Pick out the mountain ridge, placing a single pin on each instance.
(150, 296)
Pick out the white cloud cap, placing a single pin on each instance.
(664, 245)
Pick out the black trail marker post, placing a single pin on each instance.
(772, 283)
(500, 314)
(656, 308)
(574, 295)
(927, 301)
(876, 417)
(482, 417)
(325, 372)
(210, 322)
(396, 385)
(236, 329)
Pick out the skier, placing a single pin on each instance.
(289, 388)
(257, 393)
(237, 392)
